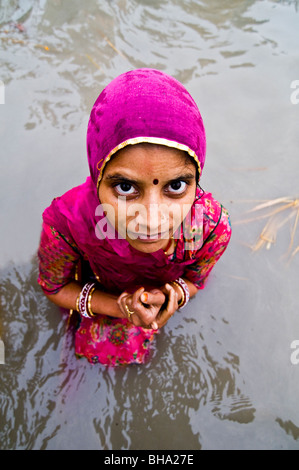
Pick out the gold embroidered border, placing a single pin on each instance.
(149, 140)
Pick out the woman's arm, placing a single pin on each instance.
(146, 305)
(58, 259)
(101, 302)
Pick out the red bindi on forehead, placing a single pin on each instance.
(155, 181)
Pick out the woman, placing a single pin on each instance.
(139, 238)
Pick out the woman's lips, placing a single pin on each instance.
(144, 238)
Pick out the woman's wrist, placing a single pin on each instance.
(179, 291)
(83, 301)
(184, 296)
(91, 302)
(103, 303)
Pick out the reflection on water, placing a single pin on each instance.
(289, 428)
(42, 384)
(209, 382)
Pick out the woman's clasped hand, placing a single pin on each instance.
(150, 309)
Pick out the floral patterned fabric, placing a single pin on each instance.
(211, 250)
(58, 260)
(112, 341)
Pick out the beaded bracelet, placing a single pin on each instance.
(83, 301)
(185, 292)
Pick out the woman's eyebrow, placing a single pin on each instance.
(186, 176)
(120, 176)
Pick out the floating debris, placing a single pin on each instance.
(93, 61)
(24, 43)
(42, 47)
(19, 26)
(278, 213)
(113, 47)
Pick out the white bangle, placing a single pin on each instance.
(83, 300)
(183, 285)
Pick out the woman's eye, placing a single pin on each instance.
(177, 187)
(125, 189)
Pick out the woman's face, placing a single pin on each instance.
(149, 190)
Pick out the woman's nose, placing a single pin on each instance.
(153, 202)
(152, 198)
(156, 213)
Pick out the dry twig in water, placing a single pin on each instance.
(275, 209)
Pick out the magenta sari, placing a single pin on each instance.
(139, 106)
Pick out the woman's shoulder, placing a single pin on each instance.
(207, 221)
(66, 206)
(211, 207)
(209, 212)
(216, 219)
(211, 239)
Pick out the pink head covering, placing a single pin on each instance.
(139, 106)
(143, 105)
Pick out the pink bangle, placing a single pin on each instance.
(84, 299)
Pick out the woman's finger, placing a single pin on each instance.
(171, 307)
(134, 308)
(154, 325)
(135, 302)
(121, 301)
(154, 297)
(144, 315)
(125, 304)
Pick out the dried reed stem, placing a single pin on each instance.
(264, 216)
(93, 61)
(271, 203)
(114, 48)
(274, 223)
(294, 230)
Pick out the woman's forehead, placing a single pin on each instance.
(149, 159)
(150, 150)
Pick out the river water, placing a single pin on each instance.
(223, 374)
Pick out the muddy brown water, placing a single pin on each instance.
(223, 374)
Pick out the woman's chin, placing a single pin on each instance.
(147, 245)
